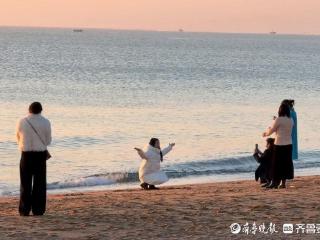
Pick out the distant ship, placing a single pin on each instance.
(78, 30)
(181, 30)
(273, 32)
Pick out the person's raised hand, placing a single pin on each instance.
(138, 149)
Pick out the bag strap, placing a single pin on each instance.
(35, 131)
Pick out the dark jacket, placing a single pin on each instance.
(265, 160)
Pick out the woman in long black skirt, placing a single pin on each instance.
(282, 165)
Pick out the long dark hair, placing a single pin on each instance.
(152, 143)
(289, 102)
(284, 111)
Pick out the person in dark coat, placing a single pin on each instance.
(265, 161)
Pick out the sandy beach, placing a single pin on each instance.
(202, 211)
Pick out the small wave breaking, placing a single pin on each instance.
(234, 165)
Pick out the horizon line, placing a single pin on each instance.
(157, 30)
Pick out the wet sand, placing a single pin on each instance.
(203, 211)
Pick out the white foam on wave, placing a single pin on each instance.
(181, 173)
(81, 182)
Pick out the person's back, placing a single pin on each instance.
(283, 128)
(33, 136)
(28, 139)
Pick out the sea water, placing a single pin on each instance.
(106, 92)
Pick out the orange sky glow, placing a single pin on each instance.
(258, 16)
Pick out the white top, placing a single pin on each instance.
(282, 126)
(27, 139)
(152, 163)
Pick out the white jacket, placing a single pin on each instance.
(149, 171)
(27, 139)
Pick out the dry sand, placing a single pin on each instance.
(202, 211)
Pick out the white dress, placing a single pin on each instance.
(149, 171)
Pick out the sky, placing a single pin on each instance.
(252, 16)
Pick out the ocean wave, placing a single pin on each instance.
(234, 165)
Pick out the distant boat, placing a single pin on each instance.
(273, 32)
(181, 30)
(78, 30)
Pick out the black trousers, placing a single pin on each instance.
(282, 165)
(33, 183)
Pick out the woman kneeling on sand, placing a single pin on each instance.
(149, 172)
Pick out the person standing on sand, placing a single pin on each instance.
(282, 165)
(33, 136)
(294, 133)
(149, 172)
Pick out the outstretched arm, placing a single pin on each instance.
(140, 153)
(168, 149)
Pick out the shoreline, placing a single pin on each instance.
(194, 211)
(173, 182)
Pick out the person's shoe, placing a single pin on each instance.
(263, 181)
(24, 214)
(144, 186)
(265, 185)
(272, 186)
(153, 187)
(38, 214)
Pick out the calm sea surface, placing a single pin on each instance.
(106, 92)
